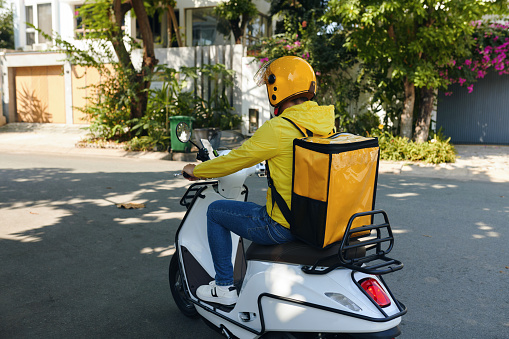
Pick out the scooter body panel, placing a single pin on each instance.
(290, 300)
(281, 298)
(193, 232)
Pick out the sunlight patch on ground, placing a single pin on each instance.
(29, 222)
(403, 195)
(155, 216)
(166, 184)
(438, 186)
(161, 251)
(488, 231)
(399, 231)
(78, 201)
(419, 184)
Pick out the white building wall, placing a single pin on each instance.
(253, 97)
(245, 95)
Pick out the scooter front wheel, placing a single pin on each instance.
(177, 289)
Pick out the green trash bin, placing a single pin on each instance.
(176, 145)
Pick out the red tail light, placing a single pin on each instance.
(375, 291)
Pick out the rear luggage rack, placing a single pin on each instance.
(194, 191)
(377, 246)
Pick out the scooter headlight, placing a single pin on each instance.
(343, 300)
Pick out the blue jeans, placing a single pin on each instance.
(248, 220)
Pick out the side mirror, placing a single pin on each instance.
(183, 132)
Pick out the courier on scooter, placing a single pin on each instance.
(291, 84)
(319, 278)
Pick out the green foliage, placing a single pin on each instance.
(395, 148)
(341, 79)
(98, 18)
(296, 13)
(217, 111)
(234, 15)
(410, 41)
(233, 10)
(488, 54)
(109, 116)
(415, 37)
(7, 29)
(360, 124)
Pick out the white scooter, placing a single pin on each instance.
(290, 290)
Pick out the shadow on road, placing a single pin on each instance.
(452, 237)
(75, 265)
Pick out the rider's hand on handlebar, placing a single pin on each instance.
(187, 172)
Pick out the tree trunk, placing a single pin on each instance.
(424, 118)
(408, 110)
(237, 32)
(171, 12)
(139, 102)
(238, 27)
(119, 11)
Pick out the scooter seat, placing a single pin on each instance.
(299, 253)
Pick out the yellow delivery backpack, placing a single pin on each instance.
(334, 177)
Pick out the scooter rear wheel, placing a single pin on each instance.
(177, 289)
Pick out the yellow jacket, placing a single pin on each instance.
(273, 141)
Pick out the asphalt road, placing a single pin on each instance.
(74, 265)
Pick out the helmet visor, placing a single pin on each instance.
(261, 76)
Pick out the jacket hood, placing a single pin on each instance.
(317, 119)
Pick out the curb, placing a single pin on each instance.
(474, 162)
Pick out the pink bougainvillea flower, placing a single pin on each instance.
(499, 66)
(297, 43)
(470, 88)
(468, 62)
(448, 94)
(264, 60)
(289, 47)
(481, 74)
(462, 81)
(318, 73)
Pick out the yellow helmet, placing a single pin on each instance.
(288, 77)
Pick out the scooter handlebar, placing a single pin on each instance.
(184, 174)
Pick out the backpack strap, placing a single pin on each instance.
(308, 133)
(276, 197)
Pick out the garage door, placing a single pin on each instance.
(40, 94)
(480, 117)
(83, 78)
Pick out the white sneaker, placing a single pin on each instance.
(225, 295)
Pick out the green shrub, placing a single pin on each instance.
(395, 148)
(360, 124)
(108, 109)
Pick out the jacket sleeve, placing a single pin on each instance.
(263, 145)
